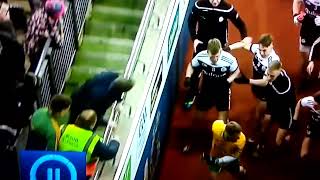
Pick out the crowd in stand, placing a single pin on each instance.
(68, 123)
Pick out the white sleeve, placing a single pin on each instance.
(308, 102)
(254, 48)
(195, 62)
(273, 57)
(276, 58)
(265, 72)
(234, 65)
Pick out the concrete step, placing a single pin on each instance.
(101, 44)
(111, 29)
(116, 14)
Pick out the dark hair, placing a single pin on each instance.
(316, 97)
(59, 103)
(86, 119)
(265, 40)
(122, 85)
(233, 128)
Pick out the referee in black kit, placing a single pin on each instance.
(281, 100)
(208, 20)
(219, 69)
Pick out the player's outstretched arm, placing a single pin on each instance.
(259, 82)
(244, 43)
(297, 110)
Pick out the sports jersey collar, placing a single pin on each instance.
(210, 7)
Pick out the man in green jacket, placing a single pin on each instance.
(45, 124)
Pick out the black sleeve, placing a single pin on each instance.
(238, 22)
(284, 84)
(104, 152)
(20, 59)
(192, 22)
(284, 88)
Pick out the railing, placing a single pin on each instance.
(132, 62)
(43, 73)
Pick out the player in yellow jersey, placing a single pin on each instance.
(227, 145)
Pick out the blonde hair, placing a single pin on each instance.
(214, 46)
(274, 65)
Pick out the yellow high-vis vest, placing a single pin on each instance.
(78, 139)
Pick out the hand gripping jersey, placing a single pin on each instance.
(310, 103)
(225, 65)
(259, 63)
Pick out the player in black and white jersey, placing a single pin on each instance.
(219, 70)
(280, 97)
(263, 54)
(313, 124)
(208, 20)
(309, 18)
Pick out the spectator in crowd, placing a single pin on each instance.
(45, 22)
(6, 23)
(15, 13)
(79, 137)
(13, 58)
(35, 4)
(45, 123)
(99, 93)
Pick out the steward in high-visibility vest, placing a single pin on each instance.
(79, 137)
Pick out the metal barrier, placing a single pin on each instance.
(42, 71)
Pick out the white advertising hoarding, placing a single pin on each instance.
(168, 41)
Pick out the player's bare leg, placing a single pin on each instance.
(305, 147)
(223, 115)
